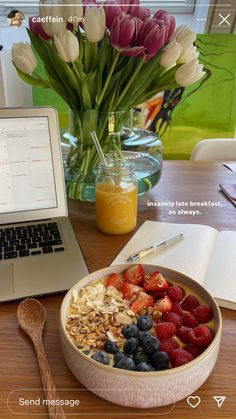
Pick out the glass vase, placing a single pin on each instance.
(145, 149)
(80, 157)
(118, 138)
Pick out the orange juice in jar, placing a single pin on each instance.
(116, 197)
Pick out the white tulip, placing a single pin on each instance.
(191, 54)
(170, 55)
(23, 57)
(67, 46)
(185, 36)
(72, 12)
(52, 18)
(189, 73)
(94, 23)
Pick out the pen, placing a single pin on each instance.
(146, 251)
(233, 201)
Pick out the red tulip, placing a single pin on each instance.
(123, 34)
(163, 18)
(152, 36)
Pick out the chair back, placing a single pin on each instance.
(215, 149)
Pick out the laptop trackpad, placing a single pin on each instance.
(6, 279)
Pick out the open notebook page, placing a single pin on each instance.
(221, 277)
(189, 255)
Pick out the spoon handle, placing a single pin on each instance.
(56, 411)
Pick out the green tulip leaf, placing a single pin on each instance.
(92, 83)
(90, 56)
(33, 81)
(86, 96)
(89, 125)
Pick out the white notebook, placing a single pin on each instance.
(204, 253)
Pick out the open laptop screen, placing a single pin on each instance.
(26, 168)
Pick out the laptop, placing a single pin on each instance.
(39, 253)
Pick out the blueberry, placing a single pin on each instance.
(140, 356)
(144, 323)
(126, 364)
(149, 343)
(160, 360)
(131, 346)
(118, 356)
(110, 347)
(142, 336)
(144, 366)
(101, 357)
(130, 331)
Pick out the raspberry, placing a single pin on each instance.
(203, 313)
(183, 333)
(193, 350)
(165, 330)
(172, 318)
(189, 302)
(189, 320)
(201, 336)
(177, 309)
(180, 357)
(167, 345)
(176, 293)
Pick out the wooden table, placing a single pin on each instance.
(182, 181)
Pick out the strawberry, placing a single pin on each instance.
(165, 330)
(142, 302)
(155, 282)
(201, 336)
(164, 305)
(157, 294)
(134, 274)
(176, 293)
(115, 280)
(203, 313)
(130, 290)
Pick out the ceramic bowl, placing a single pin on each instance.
(133, 388)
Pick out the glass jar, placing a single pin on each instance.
(116, 197)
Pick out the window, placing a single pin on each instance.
(172, 6)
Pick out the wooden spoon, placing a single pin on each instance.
(31, 316)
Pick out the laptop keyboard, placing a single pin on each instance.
(30, 240)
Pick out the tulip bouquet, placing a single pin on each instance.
(103, 60)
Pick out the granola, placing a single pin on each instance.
(98, 313)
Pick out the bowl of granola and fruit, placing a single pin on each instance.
(140, 335)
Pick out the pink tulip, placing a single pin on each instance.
(123, 34)
(152, 36)
(140, 12)
(163, 18)
(111, 11)
(37, 28)
(124, 4)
